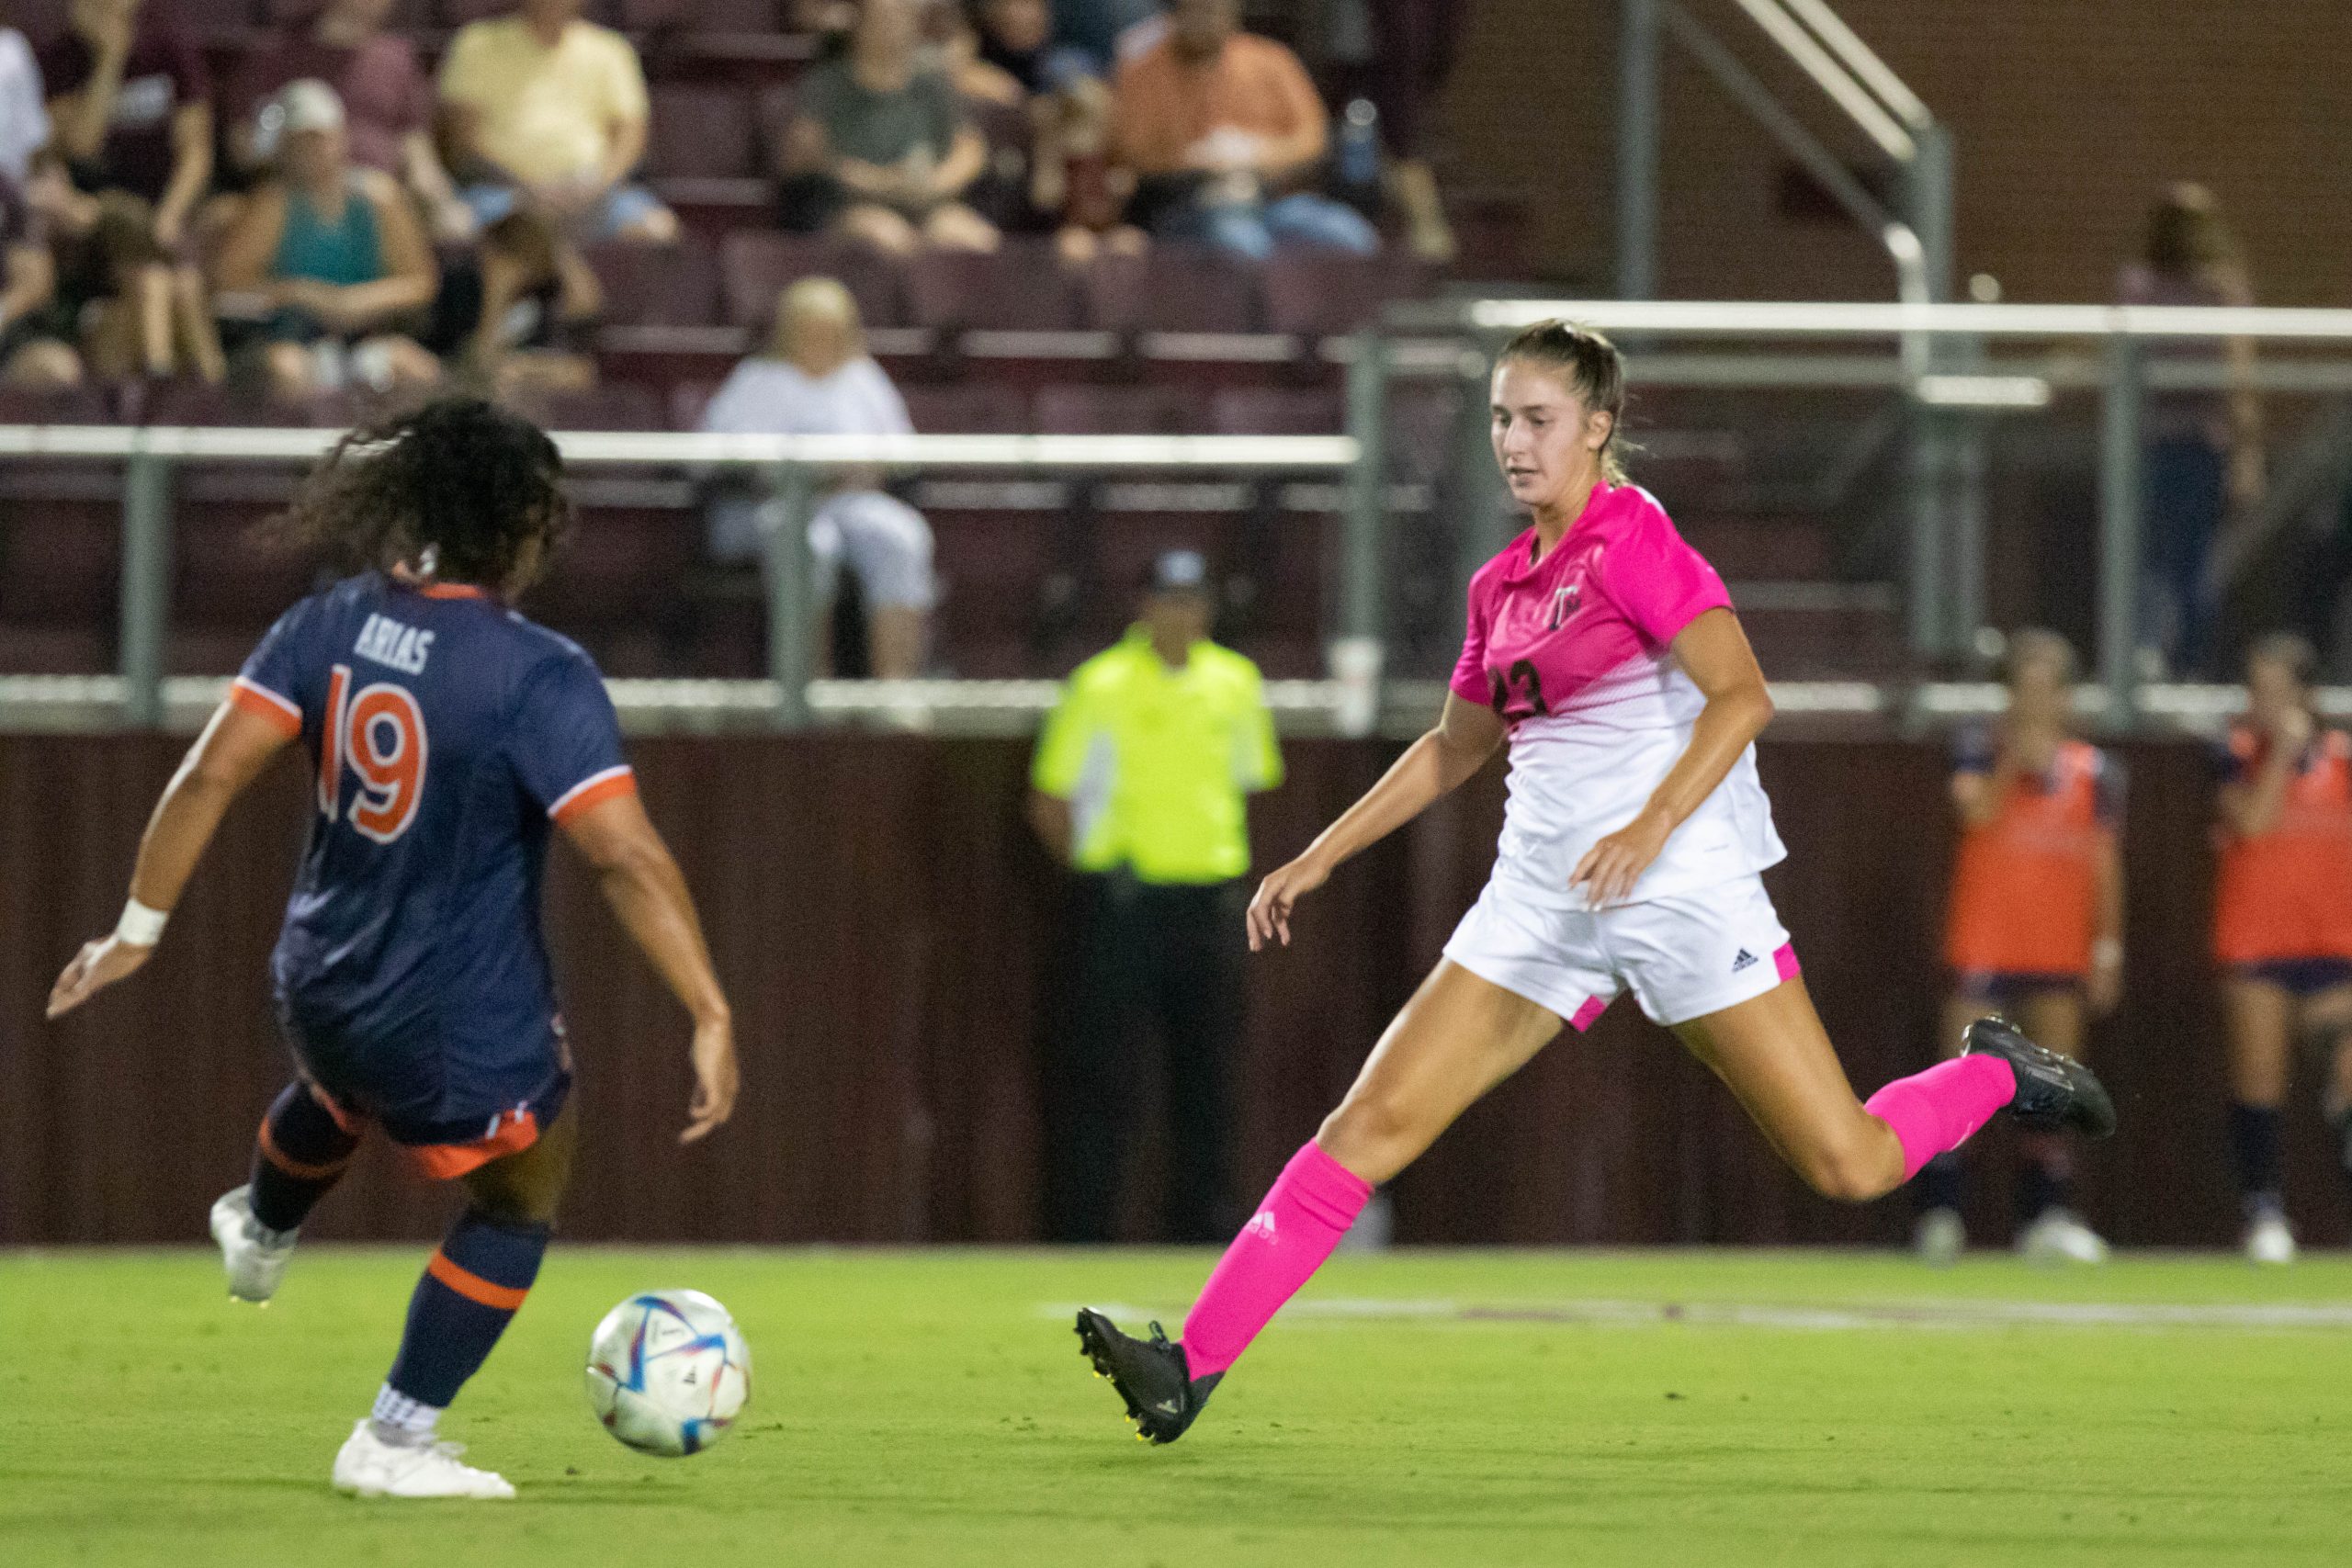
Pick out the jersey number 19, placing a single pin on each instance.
(378, 733)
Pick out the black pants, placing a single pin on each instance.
(1140, 955)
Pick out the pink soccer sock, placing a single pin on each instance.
(1307, 1210)
(1941, 1107)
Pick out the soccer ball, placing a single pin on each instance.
(668, 1371)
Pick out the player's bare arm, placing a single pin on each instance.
(1464, 737)
(1713, 651)
(641, 881)
(231, 753)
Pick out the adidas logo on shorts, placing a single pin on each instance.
(1744, 959)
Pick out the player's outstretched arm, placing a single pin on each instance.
(1437, 763)
(228, 756)
(647, 891)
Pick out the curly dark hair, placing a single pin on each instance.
(473, 484)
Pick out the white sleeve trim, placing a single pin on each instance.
(590, 782)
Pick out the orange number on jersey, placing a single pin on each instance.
(330, 742)
(383, 739)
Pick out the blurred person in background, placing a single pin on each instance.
(1388, 60)
(2282, 923)
(2204, 456)
(24, 110)
(1140, 786)
(2034, 929)
(1103, 32)
(131, 116)
(36, 340)
(816, 378)
(1074, 181)
(515, 314)
(880, 149)
(1225, 135)
(542, 110)
(331, 259)
(387, 100)
(130, 108)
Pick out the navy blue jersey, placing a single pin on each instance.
(446, 733)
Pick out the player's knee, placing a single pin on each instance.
(1373, 1135)
(1846, 1171)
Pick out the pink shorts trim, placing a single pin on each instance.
(1785, 961)
(1585, 1017)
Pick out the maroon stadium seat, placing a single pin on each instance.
(405, 17)
(458, 13)
(1317, 294)
(687, 400)
(1275, 410)
(1020, 288)
(1173, 288)
(1084, 409)
(193, 402)
(754, 267)
(700, 134)
(967, 409)
(615, 405)
(669, 286)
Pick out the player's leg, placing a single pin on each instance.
(2260, 1018)
(2327, 1022)
(1941, 1187)
(1458, 1037)
(301, 1150)
(2049, 1228)
(467, 1294)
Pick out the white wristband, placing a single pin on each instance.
(141, 926)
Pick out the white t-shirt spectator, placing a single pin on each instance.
(774, 397)
(24, 114)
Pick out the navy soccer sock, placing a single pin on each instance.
(469, 1291)
(2047, 1181)
(300, 1152)
(1941, 1182)
(2254, 1139)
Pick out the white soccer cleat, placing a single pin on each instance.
(254, 1258)
(1939, 1236)
(2059, 1235)
(2269, 1242)
(370, 1467)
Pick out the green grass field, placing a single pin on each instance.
(931, 1408)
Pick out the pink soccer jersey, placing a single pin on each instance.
(1574, 652)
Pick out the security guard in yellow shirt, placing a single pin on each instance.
(1139, 786)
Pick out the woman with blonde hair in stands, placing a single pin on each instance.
(816, 378)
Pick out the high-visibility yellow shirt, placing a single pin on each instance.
(1156, 760)
(546, 114)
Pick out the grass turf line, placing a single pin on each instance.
(920, 1408)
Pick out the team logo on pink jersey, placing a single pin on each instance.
(1564, 603)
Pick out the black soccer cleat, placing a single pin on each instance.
(2054, 1091)
(1163, 1397)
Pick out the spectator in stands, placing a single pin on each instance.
(1226, 131)
(387, 102)
(34, 350)
(1104, 32)
(130, 114)
(1074, 180)
(514, 317)
(546, 110)
(1396, 56)
(1140, 785)
(2204, 456)
(333, 259)
(24, 112)
(816, 378)
(879, 149)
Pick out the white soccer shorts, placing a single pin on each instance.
(1683, 955)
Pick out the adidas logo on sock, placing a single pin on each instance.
(1743, 960)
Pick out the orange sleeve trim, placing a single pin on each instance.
(593, 791)
(265, 704)
(295, 1167)
(472, 1286)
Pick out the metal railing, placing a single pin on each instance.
(2020, 356)
(793, 466)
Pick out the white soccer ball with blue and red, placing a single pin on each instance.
(668, 1372)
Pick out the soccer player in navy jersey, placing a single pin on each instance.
(447, 736)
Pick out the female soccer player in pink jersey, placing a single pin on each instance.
(1605, 651)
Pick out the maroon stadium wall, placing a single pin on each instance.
(885, 927)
